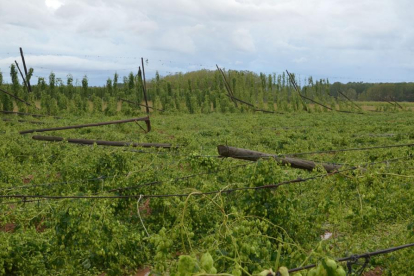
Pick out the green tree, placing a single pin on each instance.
(52, 84)
(85, 86)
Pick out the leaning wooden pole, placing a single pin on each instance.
(21, 74)
(144, 87)
(25, 70)
(228, 88)
(13, 96)
(86, 125)
(251, 155)
(100, 142)
(339, 91)
(292, 80)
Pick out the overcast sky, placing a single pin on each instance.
(343, 40)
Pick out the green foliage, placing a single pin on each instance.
(244, 232)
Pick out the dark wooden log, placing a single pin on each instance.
(25, 70)
(86, 125)
(101, 142)
(251, 155)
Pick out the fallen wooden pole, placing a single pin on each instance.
(131, 102)
(236, 99)
(86, 125)
(249, 104)
(251, 155)
(100, 142)
(339, 91)
(292, 80)
(13, 96)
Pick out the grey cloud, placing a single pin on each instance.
(318, 36)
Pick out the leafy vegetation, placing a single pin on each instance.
(238, 233)
(201, 91)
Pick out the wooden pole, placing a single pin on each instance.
(13, 96)
(21, 74)
(86, 125)
(228, 88)
(251, 155)
(131, 102)
(292, 80)
(249, 104)
(101, 142)
(339, 91)
(25, 70)
(144, 86)
(236, 99)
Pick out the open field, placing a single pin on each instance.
(358, 210)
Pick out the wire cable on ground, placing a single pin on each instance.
(355, 258)
(270, 186)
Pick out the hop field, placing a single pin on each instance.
(116, 210)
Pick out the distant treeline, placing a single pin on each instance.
(200, 91)
(402, 92)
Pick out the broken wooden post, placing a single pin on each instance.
(101, 142)
(86, 125)
(251, 155)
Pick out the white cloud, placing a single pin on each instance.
(243, 40)
(53, 4)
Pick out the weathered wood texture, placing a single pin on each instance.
(101, 142)
(251, 155)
